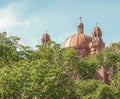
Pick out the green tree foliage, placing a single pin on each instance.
(116, 80)
(41, 77)
(45, 73)
(110, 58)
(93, 89)
(8, 49)
(26, 53)
(36, 79)
(87, 67)
(50, 52)
(12, 51)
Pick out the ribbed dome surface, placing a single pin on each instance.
(78, 40)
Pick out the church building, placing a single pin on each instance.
(84, 45)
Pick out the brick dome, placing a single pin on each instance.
(78, 40)
(46, 36)
(97, 31)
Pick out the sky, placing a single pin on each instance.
(29, 19)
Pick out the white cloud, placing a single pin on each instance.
(29, 27)
(7, 18)
(11, 21)
(11, 14)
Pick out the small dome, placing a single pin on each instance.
(45, 39)
(46, 36)
(97, 31)
(77, 41)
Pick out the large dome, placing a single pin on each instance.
(78, 40)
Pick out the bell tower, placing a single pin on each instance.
(97, 43)
(97, 34)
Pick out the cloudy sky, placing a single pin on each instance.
(29, 19)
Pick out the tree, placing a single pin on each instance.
(109, 59)
(40, 78)
(86, 68)
(8, 49)
(47, 72)
(12, 51)
(93, 89)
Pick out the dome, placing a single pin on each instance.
(78, 40)
(45, 39)
(97, 31)
(46, 36)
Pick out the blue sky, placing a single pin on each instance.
(29, 19)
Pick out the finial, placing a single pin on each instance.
(80, 19)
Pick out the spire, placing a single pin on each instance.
(81, 26)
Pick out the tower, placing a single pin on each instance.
(96, 46)
(45, 39)
(97, 43)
